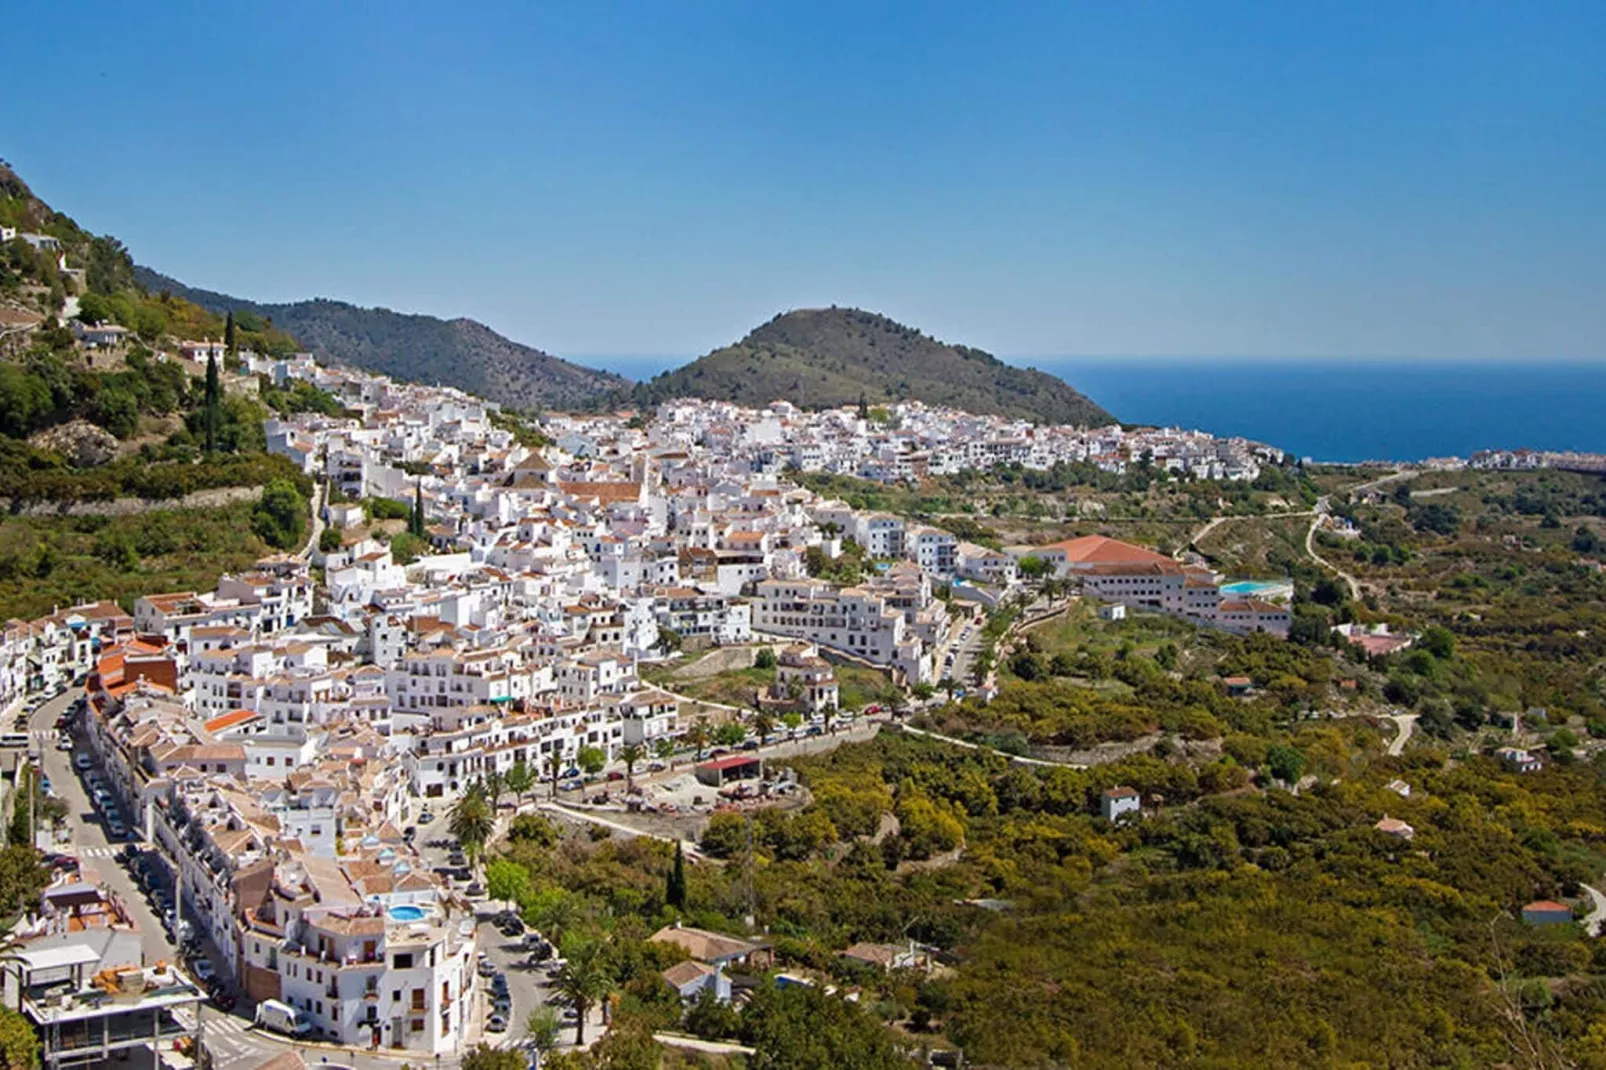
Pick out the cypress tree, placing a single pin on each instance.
(864, 407)
(228, 334)
(415, 522)
(212, 408)
(675, 894)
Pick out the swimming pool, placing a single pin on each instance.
(1258, 589)
(406, 912)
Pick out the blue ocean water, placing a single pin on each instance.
(1333, 410)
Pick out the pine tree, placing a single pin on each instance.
(675, 894)
(212, 407)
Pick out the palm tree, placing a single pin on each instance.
(697, 735)
(584, 983)
(630, 754)
(763, 723)
(830, 715)
(541, 1030)
(495, 785)
(664, 751)
(554, 766)
(471, 820)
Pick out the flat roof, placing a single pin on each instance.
(55, 957)
(733, 762)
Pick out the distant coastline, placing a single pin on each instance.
(1362, 410)
(1340, 411)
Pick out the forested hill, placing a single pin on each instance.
(823, 357)
(458, 352)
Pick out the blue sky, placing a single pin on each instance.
(1278, 179)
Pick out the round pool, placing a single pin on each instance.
(406, 912)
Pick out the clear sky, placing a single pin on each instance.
(1274, 178)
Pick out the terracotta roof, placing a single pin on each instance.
(1099, 550)
(682, 974)
(230, 719)
(705, 946)
(603, 492)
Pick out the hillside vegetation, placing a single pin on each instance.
(824, 357)
(458, 352)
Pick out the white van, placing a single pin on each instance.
(282, 1018)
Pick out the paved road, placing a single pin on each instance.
(1406, 723)
(86, 837)
(1392, 477)
(1215, 522)
(967, 745)
(1310, 548)
(1595, 920)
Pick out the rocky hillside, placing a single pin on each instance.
(824, 357)
(458, 352)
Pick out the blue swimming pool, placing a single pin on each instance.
(406, 912)
(1258, 589)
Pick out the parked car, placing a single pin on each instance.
(487, 968)
(496, 1023)
(615, 775)
(203, 970)
(427, 817)
(82, 763)
(656, 767)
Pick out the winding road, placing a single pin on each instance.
(1215, 521)
(1310, 548)
(1595, 920)
(1406, 723)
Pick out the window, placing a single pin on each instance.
(404, 960)
(418, 999)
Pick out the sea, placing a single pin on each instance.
(1339, 410)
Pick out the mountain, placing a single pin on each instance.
(824, 357)
(458, 352)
